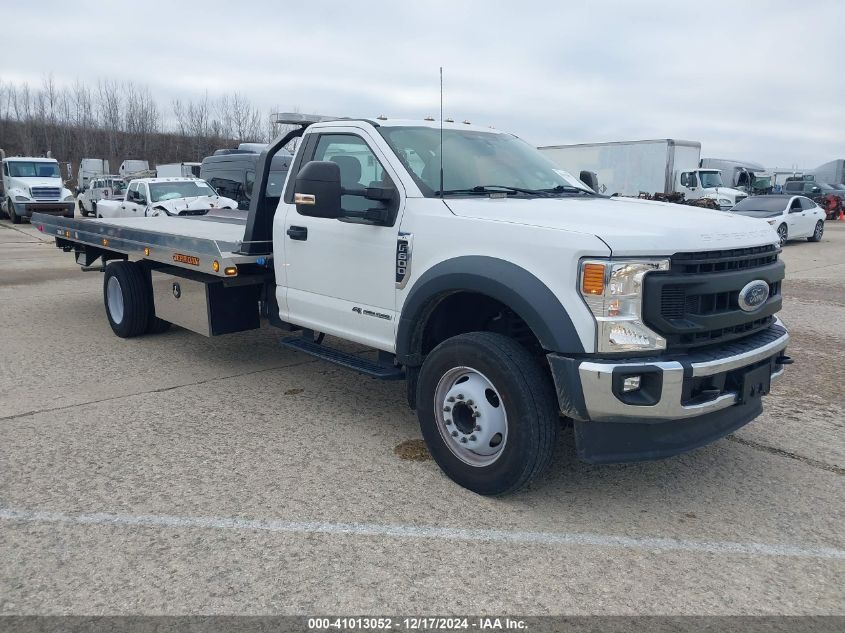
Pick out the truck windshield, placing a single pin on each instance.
(162, 191)
(710, 179)
(474, 161)
(27, 169)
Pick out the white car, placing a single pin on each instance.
(150, 197)
(793, 217)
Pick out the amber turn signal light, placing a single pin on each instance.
(592, 281)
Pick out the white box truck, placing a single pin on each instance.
(629, 168)
(178, 170)
(90, 168)
(132, 168)
(832, 172)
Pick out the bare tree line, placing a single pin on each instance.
(117, 120)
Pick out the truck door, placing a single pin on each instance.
(341, 274)
(688, 185)
(795, 219)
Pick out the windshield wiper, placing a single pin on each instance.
(569, 189)
(488, 189)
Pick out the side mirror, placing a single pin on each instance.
(590, 179)
(317, 189)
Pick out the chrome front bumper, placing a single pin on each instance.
(599, 399)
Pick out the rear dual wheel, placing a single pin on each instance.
(487, 411)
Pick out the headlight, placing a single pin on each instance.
(22, 198)
(772, 222)
(613, 291)
(68, 198)
(724, 202)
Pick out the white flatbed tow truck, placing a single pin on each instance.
(509, 296)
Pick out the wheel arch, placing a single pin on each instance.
(505, 282)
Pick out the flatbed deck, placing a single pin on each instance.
(191, 242)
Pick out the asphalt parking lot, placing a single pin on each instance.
(179, 474)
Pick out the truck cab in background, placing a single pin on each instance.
(751, 178)
(32, 185)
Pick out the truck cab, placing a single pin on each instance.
(707, 183)
(105, 187)
(34, 185)
(513, 301)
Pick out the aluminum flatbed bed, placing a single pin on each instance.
(208, 244)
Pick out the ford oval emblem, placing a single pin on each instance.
(753, 295)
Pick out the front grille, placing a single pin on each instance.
(46, 193)
(720, 261)
(696, 302)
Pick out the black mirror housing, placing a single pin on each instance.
(317, 189)
(383, 194)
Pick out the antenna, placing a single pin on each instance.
(441, 131)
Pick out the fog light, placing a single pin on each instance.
(631, 383)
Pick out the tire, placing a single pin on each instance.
(496, 378)
(818, 233)
(783, 234)
(127, 299)
(14, 217)
(82, 210)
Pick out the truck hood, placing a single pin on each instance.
(723, 192)
(195, 203)
(629, 226)
(35, 182)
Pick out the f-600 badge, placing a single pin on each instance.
(403, 259)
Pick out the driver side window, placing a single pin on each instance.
(359, 167)
(688, 179)
(142, 194)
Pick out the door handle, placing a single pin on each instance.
(298, 233)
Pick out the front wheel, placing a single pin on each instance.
(82, 210)
(783, 234)
(14, 217)
(817, 233)
(487, 412)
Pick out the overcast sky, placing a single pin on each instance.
(761, 81)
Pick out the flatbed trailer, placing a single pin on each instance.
(193, 269)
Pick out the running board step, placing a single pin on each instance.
(350, 361)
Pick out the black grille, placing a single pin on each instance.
(722, 261)
(696, 302)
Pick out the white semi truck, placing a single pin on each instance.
(33, 184)
(511, 299)
(629, 168)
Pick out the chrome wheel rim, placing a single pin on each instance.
(470, 416)
(819, 230)
(782, 235)
(114, 296)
